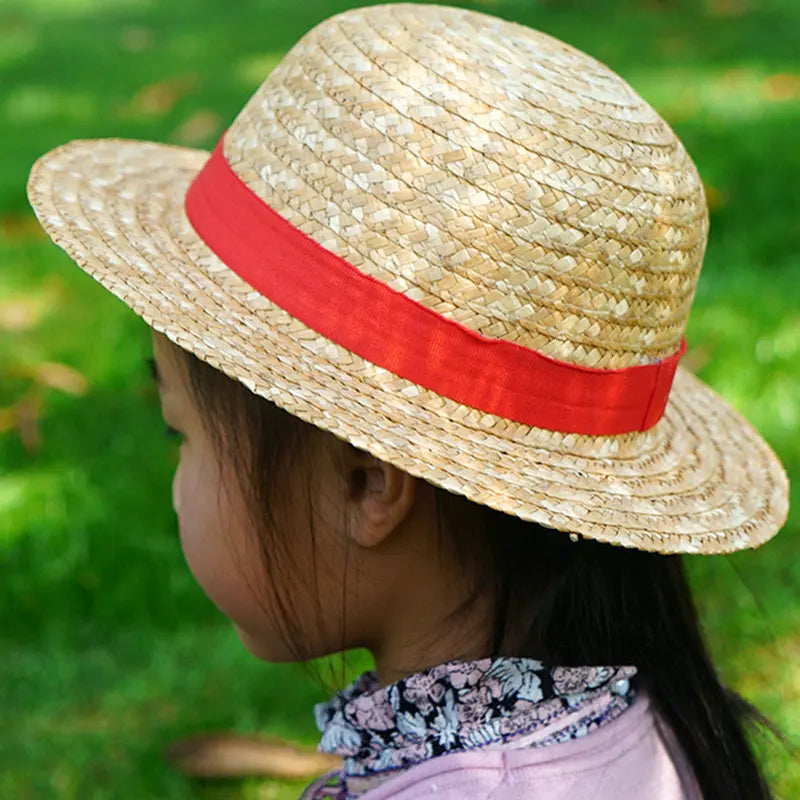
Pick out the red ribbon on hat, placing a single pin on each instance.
(391, 330)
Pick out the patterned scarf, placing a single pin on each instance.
(381, 731)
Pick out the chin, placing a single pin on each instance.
(275, 651)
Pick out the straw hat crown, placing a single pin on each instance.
(503, 181)
(488, 171)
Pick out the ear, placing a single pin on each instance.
(380, 497)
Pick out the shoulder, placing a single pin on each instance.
(626, 759)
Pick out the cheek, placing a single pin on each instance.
(215, 545)
(221, 552)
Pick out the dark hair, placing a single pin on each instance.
(574, 602)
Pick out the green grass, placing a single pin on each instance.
(109, 650)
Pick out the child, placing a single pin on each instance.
(417, 321)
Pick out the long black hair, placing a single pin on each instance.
(558, 598)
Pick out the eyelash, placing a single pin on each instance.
(172, 432)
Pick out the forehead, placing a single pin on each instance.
(165, 363)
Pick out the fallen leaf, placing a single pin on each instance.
(20, 314)
(672, 45)
(21, 226)
(781, 87)
(231, 755)
(28, 409)
(136, 39)
(60, 376)
(158, 98)
(715, 198)
(198, 128)
(696, 358)
(726, 8)
(8, 419)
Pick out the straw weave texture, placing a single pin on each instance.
(493, 174)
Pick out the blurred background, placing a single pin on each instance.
(108, 650)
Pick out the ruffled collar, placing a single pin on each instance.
(458, 706)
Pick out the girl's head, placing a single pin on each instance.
(427, 296)
(311, 546)
(308, 544)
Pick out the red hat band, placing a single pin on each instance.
(395, 332)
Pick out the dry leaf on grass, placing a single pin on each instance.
(232, 755)
(20, 314)
(136, 39)
(21, 226)
(715, 198)
(781, 87)
(198, 128)
(60, 376)
(8, 419)
(50, 375)
(28, 409)
(726, 8)
(158, 98)
(25, 413)
(696, 358)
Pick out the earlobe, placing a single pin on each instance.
(385, 498)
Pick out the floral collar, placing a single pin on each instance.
(458, 706)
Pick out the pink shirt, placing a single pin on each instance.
(632, 757)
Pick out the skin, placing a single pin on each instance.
(383, 577)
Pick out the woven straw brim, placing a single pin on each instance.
(701, 481)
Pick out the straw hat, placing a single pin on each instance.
(459, 244)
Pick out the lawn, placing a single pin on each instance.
(109, 649)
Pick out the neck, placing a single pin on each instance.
(426, 605)
(423, 640)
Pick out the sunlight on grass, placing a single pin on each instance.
(722, 94)
(251, 71)
(752, 352)
(19, 41)
(782, 345)
(38, 502)
(101, 718)
(14, 496)
(63, 8)
(28, 105)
